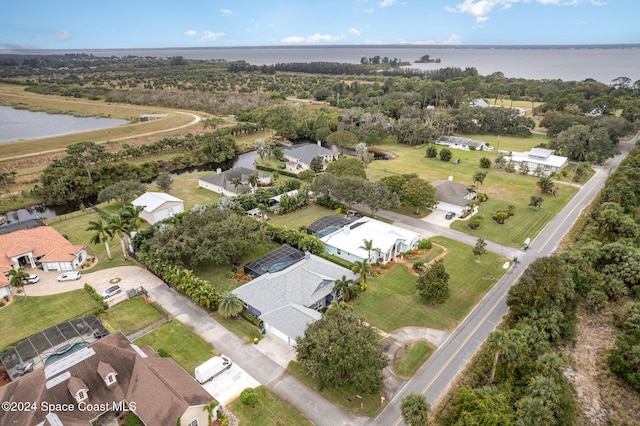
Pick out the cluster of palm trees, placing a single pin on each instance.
(121, 224)
(346, 287)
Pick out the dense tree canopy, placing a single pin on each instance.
(341, 350)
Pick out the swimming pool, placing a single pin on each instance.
(64, 352)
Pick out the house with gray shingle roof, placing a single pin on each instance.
(452, 196)
(300, 156)
(289, 299)
(457, 142)
(223, 182)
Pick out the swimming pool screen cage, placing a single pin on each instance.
(54, 342)
(273, 261)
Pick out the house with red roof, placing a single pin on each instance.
(41, 247)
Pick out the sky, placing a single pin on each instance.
(90, 24)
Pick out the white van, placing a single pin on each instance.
(211, 368)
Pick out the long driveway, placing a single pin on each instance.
(452, 356)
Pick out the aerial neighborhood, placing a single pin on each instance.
(289, 245)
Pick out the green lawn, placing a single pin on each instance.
(73, 226)
(131, 316)
(412, 358)
(391, 300)
(269, 411)
(29, 315)
(344, 397)
(303, 217)
(526, 222)
(186, 188)
(240, 327)
(184, 346)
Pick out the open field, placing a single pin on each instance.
(28, 315)
(391, 301)
(270, 410)
(185, 347)
(130, 316)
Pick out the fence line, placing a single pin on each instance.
(149, 328)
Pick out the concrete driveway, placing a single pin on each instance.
(226, 386)
(130, 277)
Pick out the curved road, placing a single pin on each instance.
(451, 357)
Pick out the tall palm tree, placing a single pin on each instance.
(102, 234)
(117, 226)
(368, 246)
(253, 181)
(415, 409)
(236, 182)
(478, 178)
(229, 305)
(345, 287)
(209, 409)
(363, 268)
(17, 278)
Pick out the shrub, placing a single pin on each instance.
(93, 293)
(485, 163)
(248, 397)
(425, 244)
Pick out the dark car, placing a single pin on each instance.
(450, 215)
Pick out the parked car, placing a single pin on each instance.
(111, 291)
(450, 215)
(32, 279)
(69, 276)
(211, 368)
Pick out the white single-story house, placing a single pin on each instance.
(157, 206)
(300, 156)
(452, 196)
(457, 142)
(289, 299)
(41, 247)
(539, 157)
(223, 182)
(388, 241)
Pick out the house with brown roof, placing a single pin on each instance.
(41, 247)
(102, 381)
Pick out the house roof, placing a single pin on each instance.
(291, 319)
(452, 192)
(152, 200)
(161, 389)
(303, 283)
(44, 242)
(307, 152)
(479, 103)
(224, 179)
(457, 140)
(540, 158)
(350, 238)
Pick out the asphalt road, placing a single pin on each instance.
(452, 356)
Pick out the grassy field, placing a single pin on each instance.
(412, 358)
(344, 397)
(186, 188)
(130, 316)
(392, 301)
(303, 217)
(29, 315)
(269, 411)
(184, 346)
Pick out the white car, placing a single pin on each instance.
(69, 276)
(32, 279)
(111, 291)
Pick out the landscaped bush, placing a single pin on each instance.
(93, 293)
(250, 318)
(425, 244)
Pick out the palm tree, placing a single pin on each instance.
(236, 182)
(102, 233)
(117, 226)
(368, 246)
(478, 178)
(17, 278)
(209, 409)
(253, 181)
(345, 287)
(362, 268)
(229, 305)
(415, 409)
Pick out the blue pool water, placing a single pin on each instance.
(71, 350)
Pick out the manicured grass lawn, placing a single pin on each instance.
(184, 346)
(73, 226)
(186, 188)
(392, 301)
(131, 316)
(269, 411)
(412, 358)
(508, 143)
(344, 397)
(526, 222)
(240, 327)
(303, 217)
(28, 315)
